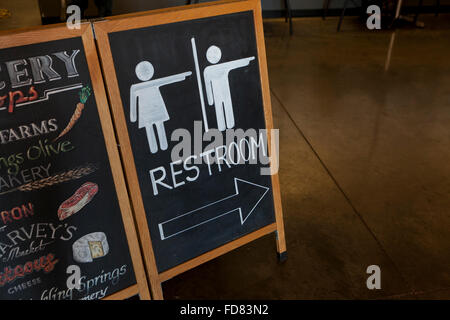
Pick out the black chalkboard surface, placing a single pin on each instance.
(196, 207)
(190, 99)
(60, 218)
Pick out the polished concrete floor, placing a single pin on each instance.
(365, 168)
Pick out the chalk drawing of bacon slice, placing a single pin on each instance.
(80, 198)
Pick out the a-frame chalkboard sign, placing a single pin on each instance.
(190, 99)
(66, 225)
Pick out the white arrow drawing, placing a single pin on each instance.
(237, 202)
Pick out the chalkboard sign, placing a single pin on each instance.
(66, 227)
(190, 99)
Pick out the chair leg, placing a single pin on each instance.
(326, 4)
(62, 14)
(342, 15)
(418, 11)
(363, 8)
(286, 11)
(289, 10)
(438, 4)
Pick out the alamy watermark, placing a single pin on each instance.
(374, 280)
(74, 17)
(374, 20)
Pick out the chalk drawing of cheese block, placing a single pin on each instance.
(89, 247)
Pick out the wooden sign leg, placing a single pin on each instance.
(155, 287)
(281, 247)
(281, 241)
(280, 237)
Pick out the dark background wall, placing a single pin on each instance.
(51, 8)
(268, 5)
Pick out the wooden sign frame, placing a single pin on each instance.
(166, 16)
(27, 36)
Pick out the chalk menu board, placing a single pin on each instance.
(60, 215)
(205, 198)
(193, 121)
